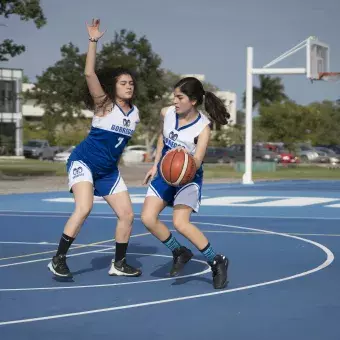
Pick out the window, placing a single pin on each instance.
(7, 96)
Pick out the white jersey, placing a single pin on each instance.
(108, 137)
(185, 136)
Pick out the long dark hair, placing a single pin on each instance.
(214, 106)
(108, 79)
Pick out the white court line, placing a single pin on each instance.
(71, 255)
(260, 233)
(101, 215)
(210, 231)
(49, 258)
(205, 271)
(326, 263)
(43, 243)
(50, 215)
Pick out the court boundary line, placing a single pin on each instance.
(102, 214)
(107, 285)
(326, 263)
(71, 255)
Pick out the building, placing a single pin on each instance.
(33, 112)
(11, 125)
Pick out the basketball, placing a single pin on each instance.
(178, 167)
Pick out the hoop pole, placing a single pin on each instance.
(299, 70)
(247, 176)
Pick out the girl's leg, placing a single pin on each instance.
(218, 263)
(122, 206)
(83, 196)
(152, 207)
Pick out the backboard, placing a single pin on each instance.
(317, 58)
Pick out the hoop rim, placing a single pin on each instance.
(328, 76)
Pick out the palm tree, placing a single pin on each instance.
(270, 90)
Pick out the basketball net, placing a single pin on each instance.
(329, 76)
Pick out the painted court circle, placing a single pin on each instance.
(326, 263)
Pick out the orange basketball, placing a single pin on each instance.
(178, 168)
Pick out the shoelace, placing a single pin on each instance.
(61, 263)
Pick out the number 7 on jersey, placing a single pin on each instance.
(120, 140)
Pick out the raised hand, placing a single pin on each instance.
(93, 29)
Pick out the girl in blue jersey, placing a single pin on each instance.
(92, 166)
(184, 126)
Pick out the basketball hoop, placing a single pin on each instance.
(329, 76)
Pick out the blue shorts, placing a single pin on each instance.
(189, 194)
(107, 183)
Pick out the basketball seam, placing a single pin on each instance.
(170, 169)
(184, 169)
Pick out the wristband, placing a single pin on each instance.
(93, 39)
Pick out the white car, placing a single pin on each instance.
(63, 156)
(134, 154)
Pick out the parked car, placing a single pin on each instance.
(216, 155)
(63, 156)
(322, 156)
(38, 149)
(236, 153)
(135, 154)
(335, 148)
(307, 154)
(287, 157)
(333, 157)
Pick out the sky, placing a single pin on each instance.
(207, 37)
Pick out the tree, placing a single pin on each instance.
(287, 122)
(25, 79)
(240, 117)
(327, 128)
(59, 90)
(27, 10)
(271, 90)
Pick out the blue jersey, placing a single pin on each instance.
(108, 136)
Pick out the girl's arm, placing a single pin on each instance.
(92, 81)
(202, 144)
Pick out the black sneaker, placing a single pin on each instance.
(58, 266)
(219, 268)
(182, 255)
(121, 268)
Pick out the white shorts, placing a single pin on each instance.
(189, 195)
(109, 184)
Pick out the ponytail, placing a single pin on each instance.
(216, 108)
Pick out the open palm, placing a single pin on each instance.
(93, 29)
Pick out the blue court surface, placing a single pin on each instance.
(282, 239)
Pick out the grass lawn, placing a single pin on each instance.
(299, 172)
(29, 167)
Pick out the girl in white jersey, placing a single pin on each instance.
(184, 126)
(92, 166)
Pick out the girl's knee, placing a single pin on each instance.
(126, 216)
(83, 210)
(180, 223)
(149, 219)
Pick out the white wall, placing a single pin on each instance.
(30, 109)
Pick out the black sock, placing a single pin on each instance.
(64, 244)
(120, 251)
